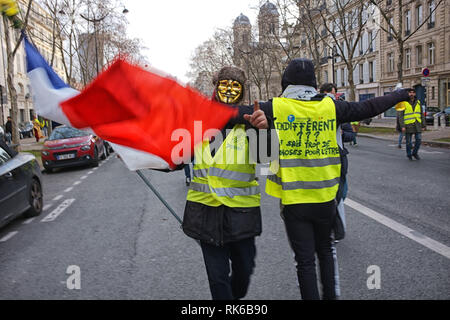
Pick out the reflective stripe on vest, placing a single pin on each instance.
(411, 116)
(309, 166)
(228, 178)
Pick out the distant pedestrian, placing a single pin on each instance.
(355, 127)
(400, 108)
(412, 122)
(8, 130)
(187, 173)
(37, 129)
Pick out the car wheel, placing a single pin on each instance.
(95, 160)
(104, 155)
(36, 199)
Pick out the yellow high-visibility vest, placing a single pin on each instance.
(228, 178)
(309, 166)
(411, 115)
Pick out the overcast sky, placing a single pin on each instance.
(172, 29)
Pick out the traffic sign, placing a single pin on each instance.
(426, 72)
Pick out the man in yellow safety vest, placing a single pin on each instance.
(412, 121)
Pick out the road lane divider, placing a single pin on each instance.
(427, 242)
(9, 236)
(58, 211)
(28, 221)
(68, 189)
(57, 198)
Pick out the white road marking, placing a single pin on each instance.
(91, 172)
(431, 244)
(47, 206)
(57, 212)
(76, 183)
(421, 150)
(9, 236)
(57, 198)
(68, 189)
(83, 177)
(29, 221)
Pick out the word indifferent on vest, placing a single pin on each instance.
(307, 133)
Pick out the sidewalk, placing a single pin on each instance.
(429, 136)
(30, 144)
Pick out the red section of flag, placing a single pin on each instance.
(129, 106)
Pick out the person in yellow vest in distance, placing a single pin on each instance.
(306, 175)
(223, 203)
(400, 108)
(37, 129)
(412, 122)
(355, 127)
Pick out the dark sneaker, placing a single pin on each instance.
(188, 181)
(399, 146)
(410, 157)
(416, 156)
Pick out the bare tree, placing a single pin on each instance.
(208, 58)
(13, 39)
(339, 24)
(396, 30)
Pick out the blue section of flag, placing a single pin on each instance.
(35, 60)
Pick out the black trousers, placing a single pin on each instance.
(242, 255)
(308, 227)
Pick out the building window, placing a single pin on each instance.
(432, 94)
(326, 76)
(371, 71)
(431, 8)
(407, 58)
(361, 73)
(342, 78)
(370, 39)
(431, 53)
(391, 31)
(390, 62)
(388, 2)
(407, 22)
(419, 56)
(419, 15)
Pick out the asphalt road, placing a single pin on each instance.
(127, 246)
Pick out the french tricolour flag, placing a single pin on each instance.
(136, 110)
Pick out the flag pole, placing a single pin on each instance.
(147, 182)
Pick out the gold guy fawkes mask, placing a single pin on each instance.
(229, 91)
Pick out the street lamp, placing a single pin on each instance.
(332, 57)
(95, 21)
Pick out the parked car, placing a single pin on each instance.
(447, 116)
(2, 134)
(429, 114)
(69, 147)
(26, 129)
(20, 185)
(367, 121)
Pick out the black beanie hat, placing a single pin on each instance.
(300, 71)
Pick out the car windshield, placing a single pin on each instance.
(67, 133)
(433, 109)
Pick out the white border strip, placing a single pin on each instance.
(431, 244)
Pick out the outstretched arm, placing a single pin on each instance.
(357, 111)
